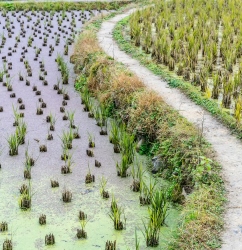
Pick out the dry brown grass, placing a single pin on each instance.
(101, 73)
(85, 45)
(123, 86)
(146, 116)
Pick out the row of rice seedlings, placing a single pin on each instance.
(18, 137)
(63, 67)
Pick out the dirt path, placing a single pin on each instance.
(227, 147)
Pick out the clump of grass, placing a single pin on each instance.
(71, 116)
(67, 138)
(157, 214)
(66, 196)
(114, 133)
(116, 214)
(25, 198)
(21, 131)
(91, 140)
(110, 245)
(123, 166)
(137, 174)
(127, 146)
(52, 119)
(13, 143)
(147, 191)
(69, 164)
(89, 177)
(104, 193)
(81, 233)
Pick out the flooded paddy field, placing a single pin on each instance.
(32, 44)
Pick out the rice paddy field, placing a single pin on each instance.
(89, 157)
(200, 41)
(60, 177)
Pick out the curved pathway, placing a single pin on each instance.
(228, 149)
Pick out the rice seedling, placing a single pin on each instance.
(42, 219)
(115, 215)
(71, 116)
(49, 239)
(110, 245)
(127, 145)
(158, 208)
(85, 96)
(7, 244)
(157, 214)
(21, 78)
(137, 174)
(1, 75)
(66, 196)
(52, 120)
(67, 138)
(147, 191)
(114, 136)
(17, 116)
(89, 177)
(82, 215)
(151, 234)
(101, 115)
(103, 192)
(25, 198)
(113, 203)
(39, 110)
(104, 128)
(28, 159)
(69, 164)
(3, 226)
(9, 84)
(123, 166)
(13, 143)
(21, 131)
(76, 133)
(65, 95)
(54, 183)
(81, 233)
(91, 140)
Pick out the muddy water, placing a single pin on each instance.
(62, 218)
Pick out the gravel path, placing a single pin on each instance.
(226, 146)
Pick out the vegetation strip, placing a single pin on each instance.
(184, 153)
(175, 82)
(58, 6)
